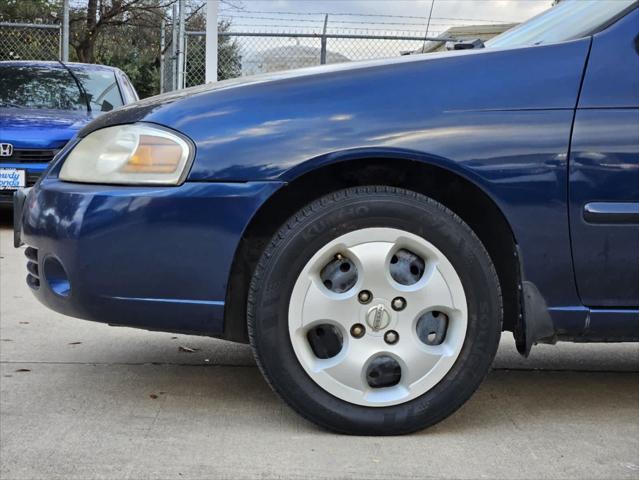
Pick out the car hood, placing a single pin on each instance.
(451, 76)
(141, 109)
(272, 127)
(39, 128)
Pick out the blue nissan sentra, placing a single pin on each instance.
(42, 106)
(369, 228)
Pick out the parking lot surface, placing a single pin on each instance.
(84, 400)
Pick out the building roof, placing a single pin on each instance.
(467, 32)
(287, 57)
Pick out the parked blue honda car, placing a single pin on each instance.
(369, 228)
(42, 106)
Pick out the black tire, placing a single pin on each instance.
(328, 218)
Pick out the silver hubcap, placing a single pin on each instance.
(378, 317)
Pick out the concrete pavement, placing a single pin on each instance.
(83, 400)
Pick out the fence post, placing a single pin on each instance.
(174, 40)
(181, 35)
(323, 49)
(65, 31)
(210, 47)
(162, 47)
(185, 56)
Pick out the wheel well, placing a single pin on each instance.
(455, 192)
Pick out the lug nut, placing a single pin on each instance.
(398, 304)
(364, 297)
(358, 330)
(391, 337)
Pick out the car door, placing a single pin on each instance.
(604, 170)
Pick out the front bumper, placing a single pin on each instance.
(150, 257)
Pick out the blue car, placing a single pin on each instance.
(371, 228)
(42, 106)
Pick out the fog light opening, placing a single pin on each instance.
(56, 277)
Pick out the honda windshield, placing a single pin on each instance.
(44, 87)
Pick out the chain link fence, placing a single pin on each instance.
(241, 54)
(29, 41)
(194, 59)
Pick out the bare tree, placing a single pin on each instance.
(87, 23)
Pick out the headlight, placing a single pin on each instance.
(128, 154)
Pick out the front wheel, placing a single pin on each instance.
(375, 311)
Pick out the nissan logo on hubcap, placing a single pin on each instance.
(378, 318)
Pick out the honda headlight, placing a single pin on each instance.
(129, 154)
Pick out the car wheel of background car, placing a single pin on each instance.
(375, 310)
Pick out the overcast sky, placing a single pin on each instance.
(443, 10)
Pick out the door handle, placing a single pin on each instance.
(612, 212)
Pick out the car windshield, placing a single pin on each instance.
(567, 20)
(28, 86)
